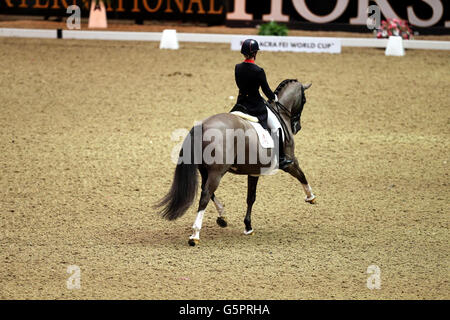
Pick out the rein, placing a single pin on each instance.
(295, 118)
(276, 112)
(282, 107)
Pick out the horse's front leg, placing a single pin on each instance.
(251, 197)
(296, 172)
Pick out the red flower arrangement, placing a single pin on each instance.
(394, 27)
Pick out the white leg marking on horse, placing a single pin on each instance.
(308, 191)
(219, 206)
(197, 225)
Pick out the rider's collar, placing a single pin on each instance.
(249, 60)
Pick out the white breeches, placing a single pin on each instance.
(272, 122)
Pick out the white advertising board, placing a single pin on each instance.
(292, 44)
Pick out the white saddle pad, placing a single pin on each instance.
(264, 136)
(265, 139)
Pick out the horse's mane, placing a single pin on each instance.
(283, 84)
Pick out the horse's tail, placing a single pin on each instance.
(184, 186)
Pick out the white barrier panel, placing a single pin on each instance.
(112, 35)
(364, 42)
(28, 33)
(205, 37)
(426, 44)
(293, 44)
(208, 38)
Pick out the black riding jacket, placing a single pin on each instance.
(249, 78)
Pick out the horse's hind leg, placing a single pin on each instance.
(208, 188)
(251, 197)
(221, 220)
(296, 172)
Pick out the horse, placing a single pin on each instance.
(225, 152)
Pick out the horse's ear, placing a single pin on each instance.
(307, 86)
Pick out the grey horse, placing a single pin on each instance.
(228, 143)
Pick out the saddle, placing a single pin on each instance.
(241, 110)
(265, 139)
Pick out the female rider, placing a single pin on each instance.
(249, 78)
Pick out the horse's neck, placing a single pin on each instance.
(286, 102)
(286, 119)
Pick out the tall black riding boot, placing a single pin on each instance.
(283, 162)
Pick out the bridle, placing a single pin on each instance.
(295, 118)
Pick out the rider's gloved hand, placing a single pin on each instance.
(276, 98)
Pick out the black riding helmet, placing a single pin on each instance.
(249, 46)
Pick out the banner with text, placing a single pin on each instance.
(208, 11)
(425, 16)
(292, 44)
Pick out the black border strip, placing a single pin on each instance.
(222, 309)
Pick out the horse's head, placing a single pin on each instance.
(291, 95)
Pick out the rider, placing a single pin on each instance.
(249, 78)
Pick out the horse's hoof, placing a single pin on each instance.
(193, 242)
(311, 201)
(249, 233)
(222, 222)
